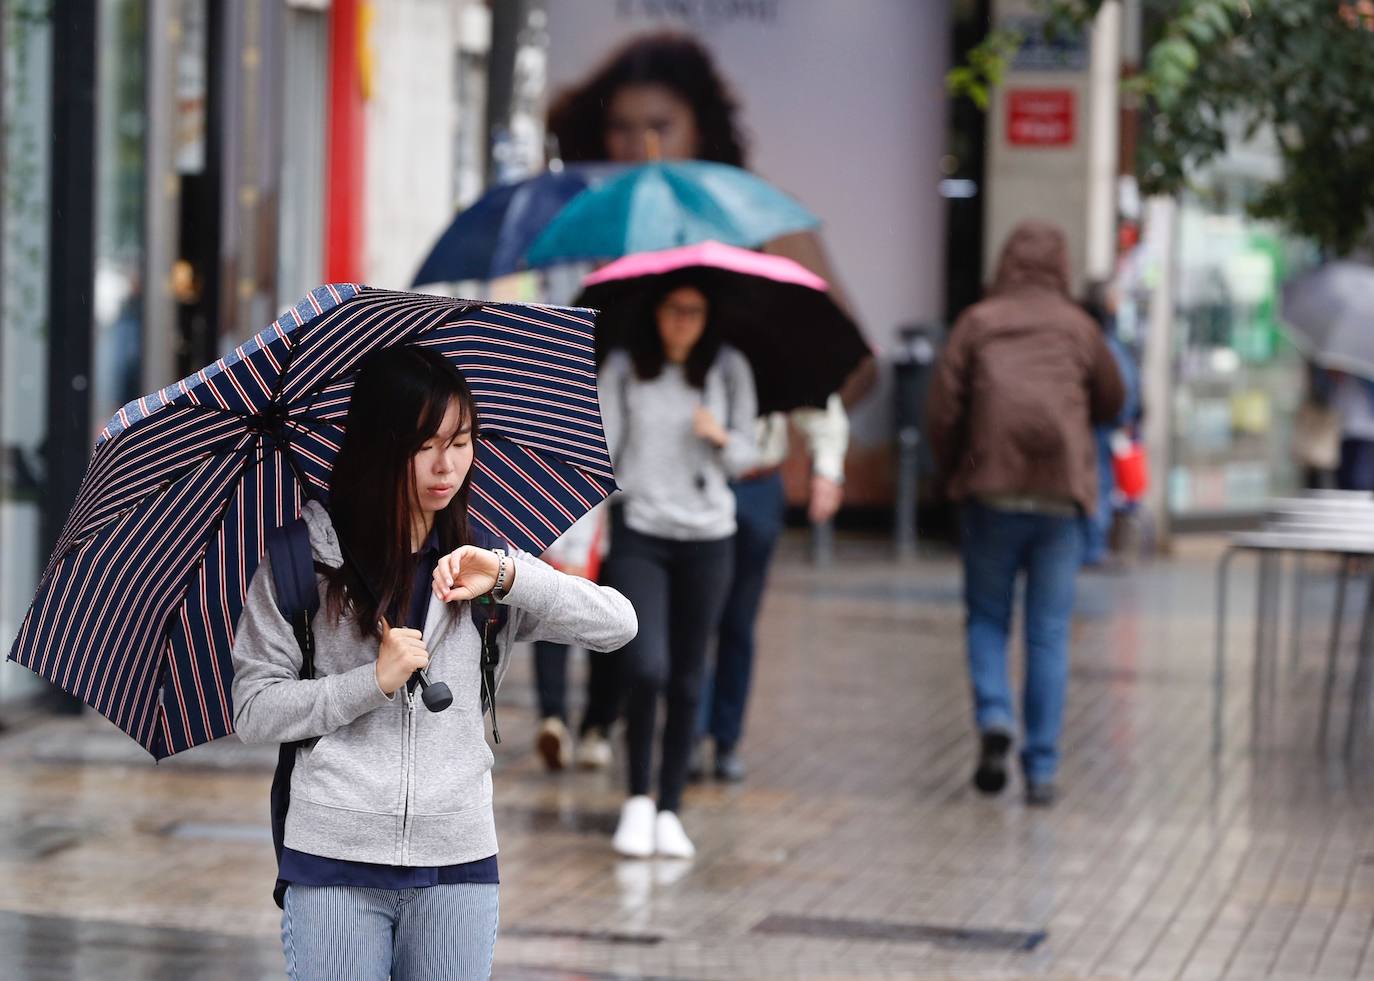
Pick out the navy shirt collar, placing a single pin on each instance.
(430, 546)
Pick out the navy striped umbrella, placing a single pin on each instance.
(135, 612)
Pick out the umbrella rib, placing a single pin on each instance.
(197, 408)
(209, 451)
(252, 454)
(312, 425)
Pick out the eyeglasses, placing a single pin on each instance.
(683, 312)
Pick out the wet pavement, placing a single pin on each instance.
(856, 847)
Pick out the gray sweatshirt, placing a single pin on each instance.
(677, 485)
(387, 781)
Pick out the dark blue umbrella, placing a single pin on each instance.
(490, 237)
(135, 612)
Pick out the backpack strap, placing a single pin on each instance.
(298, 594)
(489, 617)
(298, 599)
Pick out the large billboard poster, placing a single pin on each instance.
(843, 105)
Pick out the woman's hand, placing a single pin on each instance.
(706, 427)
(402, 654)
(469, 572)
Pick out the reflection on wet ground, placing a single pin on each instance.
(855, 848)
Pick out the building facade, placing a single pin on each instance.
(177, 172)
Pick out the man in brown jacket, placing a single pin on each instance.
(1023, 378)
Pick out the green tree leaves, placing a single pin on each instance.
(1222, 70)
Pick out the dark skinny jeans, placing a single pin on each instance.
(678, 590)
(603, 686)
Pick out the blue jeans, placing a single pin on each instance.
(438, 933)
(1097, 527)
(1356, 471)
(759, 508)
(997, 546)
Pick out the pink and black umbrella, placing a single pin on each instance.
(777, 313)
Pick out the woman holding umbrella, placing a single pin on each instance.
(662, 94)
(387, 881)
(679, 409)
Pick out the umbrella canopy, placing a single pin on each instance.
(136, 610)
(801, 345)
(490, 238)
(1330, 314)
(663, 205)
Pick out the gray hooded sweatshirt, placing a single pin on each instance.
(387, 781)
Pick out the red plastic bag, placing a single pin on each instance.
(1129, 467)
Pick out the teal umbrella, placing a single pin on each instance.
(664, 205)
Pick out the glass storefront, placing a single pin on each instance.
(121, 161)
(300, 233)
(1238, 380)
(118, 227)
(27, 115)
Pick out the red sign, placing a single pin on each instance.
(1040, 117)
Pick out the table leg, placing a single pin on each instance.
(1359, 688)
(1219, 655)
(1299, 591)
(1266, 598)
(1333, 651)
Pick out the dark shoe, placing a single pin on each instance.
(991, 775)
(729, 767)
(696, 763)
(1040, 794)
(553, 744)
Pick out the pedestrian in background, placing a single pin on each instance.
(760, 506)
(679, 410)
(1024, 377)
(1352, 399)
(390, 839)
(665, 90)
(577, 553)
(1100, 303)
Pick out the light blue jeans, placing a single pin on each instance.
(438, 933)
(998, 546)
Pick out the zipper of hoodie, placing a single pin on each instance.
(409, 771)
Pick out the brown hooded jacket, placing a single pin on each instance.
(1023, 377)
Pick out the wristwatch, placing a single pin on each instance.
(498, 591)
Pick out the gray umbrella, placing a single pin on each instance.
(1330, 314)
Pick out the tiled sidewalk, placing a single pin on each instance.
(856, 848)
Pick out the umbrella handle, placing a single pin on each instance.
(434, 694)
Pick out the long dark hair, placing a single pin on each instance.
(400, 397)
(679, 63)
(646, 345)
(1096, 303)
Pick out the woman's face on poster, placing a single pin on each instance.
(638, 116)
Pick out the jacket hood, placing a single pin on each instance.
(1036, 256)
(324, 542)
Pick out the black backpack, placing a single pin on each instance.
(298, 599)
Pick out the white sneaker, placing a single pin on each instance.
(553, 744)
(594, 751)
(634, 835)
(670, 840)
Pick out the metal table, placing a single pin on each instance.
(1334, 524)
